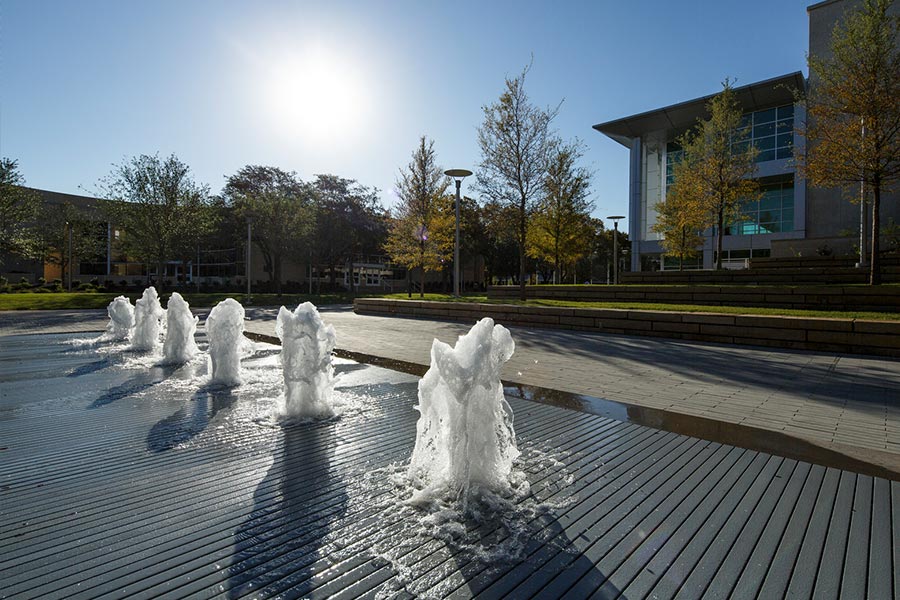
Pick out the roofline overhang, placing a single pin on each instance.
(680, 116)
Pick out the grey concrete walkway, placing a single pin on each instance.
(832, 400)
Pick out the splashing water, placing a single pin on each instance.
(121, 319)
(147, 315)
(306, 346)
(179, 346)
(225, 329)
(464, 438)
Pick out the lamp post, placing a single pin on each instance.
(615, 220)
(249, 225)
(458, 175)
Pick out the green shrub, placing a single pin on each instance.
(42, 290)
(86, 287)
(41, 281)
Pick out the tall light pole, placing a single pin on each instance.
(249, 242)
(458, 175)
(615, 220)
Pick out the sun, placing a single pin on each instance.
(316, 95)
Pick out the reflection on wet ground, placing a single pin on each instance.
(861, 460)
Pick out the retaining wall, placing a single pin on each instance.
(777, 271)
(834, 335)
(846, 298)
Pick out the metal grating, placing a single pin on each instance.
(117, 480)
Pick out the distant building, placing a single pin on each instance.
(791, 218)
(223, 265)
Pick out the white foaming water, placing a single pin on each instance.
(225, 331)
(306, 346)
(179, 346)
(121, 319)
(147, 315)
(464, 438)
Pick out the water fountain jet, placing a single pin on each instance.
(147, 315)
(179, 346)
(121, 319)
(465, 439)
(306, 346)
(225, 330)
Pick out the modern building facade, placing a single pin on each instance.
(791, 218)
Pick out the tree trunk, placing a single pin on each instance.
(719, 231)
(522, 228)
(160, 277)
(681, 254)
(351, 279)
(422, 281)
(408, 282)
(875, 263)
(277, 273)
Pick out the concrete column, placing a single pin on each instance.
(634, 203)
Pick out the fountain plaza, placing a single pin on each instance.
(151, 453)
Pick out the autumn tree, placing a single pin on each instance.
(514, 139)
(680, 217)
(559, 230)
(160, 207)
(853, 111)
(718, 165)
(280, 209)
(19, 207)
(421, 235)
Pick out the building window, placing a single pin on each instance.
(771, 131)
(673, 156)
(772, 213)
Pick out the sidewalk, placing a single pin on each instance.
(830, 399)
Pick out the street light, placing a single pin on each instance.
(615, 220)
(458, 175)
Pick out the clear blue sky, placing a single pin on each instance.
(347, 87)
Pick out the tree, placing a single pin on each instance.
(514, 141)
(853, 111)
(349, 220)
(559, 231)
(421, 235)
(719, 165)
(159, 206)
(19, 207)
(680, 217)
(280, 209)
(500, 254)
(63, 232)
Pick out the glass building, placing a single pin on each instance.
(790, 219)
(770, 121)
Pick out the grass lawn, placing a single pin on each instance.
(75, 300)
(65, 300)
(727, 310)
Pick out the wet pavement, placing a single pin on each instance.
(837, 409)
(123, 477)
